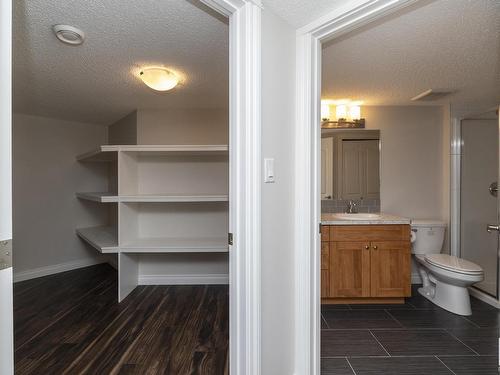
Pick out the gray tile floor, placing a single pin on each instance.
(411, 339)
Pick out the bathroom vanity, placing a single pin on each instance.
(365, 258)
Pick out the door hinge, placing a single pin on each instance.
(230, 239)
(319, 227)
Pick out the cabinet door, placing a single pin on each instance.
(390, 269)
(349, 269)
(325, 265)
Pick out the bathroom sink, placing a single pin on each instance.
(358, 216)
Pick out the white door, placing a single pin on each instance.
(327, 168)
(6, 322)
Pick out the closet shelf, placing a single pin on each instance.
(176, 245)
(109, 152)
(102, 238)
(105, 197)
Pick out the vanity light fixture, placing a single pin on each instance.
(159, 79)
(347, 114)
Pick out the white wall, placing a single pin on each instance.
(46, 176)
(278, 95)
(182, 126)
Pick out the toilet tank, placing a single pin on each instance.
(427, 236)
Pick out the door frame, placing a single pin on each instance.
(307, 250)
(6, 305)
(244, 182)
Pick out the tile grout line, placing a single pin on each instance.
(392, 316)
(456, 338)
(470, 321)
(349, 363)
(323, 318)
(444, 364)
(409, 356)
(385, 350)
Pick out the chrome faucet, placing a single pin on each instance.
(352, 207)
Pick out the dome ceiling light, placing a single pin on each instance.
(159, 79)
(69, 34)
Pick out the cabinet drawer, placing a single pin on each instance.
(325, 255)
(369, 233)
(325, 232)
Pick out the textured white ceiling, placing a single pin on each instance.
(444, 44)
(95, 82)
(301, 12)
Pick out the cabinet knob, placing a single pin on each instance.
(367, 247)
(375, 247)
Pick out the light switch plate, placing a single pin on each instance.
(269, 176)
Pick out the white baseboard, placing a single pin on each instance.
(56, 268)
(184, 279)
(484, 297)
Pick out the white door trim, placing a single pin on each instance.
(307, 163)
(244, 185)
(6, 318)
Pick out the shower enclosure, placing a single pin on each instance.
(479, 206)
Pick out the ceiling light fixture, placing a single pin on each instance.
(69, 34)
(159, 79)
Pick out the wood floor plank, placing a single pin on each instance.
(156, 330)
(53, 299)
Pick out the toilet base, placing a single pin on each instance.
(452, 298)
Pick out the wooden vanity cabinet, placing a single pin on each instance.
(365, 263)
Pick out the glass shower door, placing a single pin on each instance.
(479, 201)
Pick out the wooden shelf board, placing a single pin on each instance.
(103, 197)
(173, 198)
(106, 197)
(102, 153)
(176, 245)
(102, 238)
(109, 152)
(178, 149)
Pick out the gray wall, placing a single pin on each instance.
(46, 176)
(412, 160)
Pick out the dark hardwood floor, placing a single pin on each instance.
(417, 338)
(71, 323)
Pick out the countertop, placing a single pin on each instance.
(333, 219)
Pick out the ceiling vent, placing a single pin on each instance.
(69, 34)
(431, 95)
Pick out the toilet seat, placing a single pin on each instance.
(453, 264)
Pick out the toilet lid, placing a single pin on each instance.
(451, 263)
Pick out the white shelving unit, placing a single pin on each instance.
(168, 199)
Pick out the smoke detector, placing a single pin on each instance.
(69, 34)
(430, 95)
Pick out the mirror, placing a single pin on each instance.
(350, 169)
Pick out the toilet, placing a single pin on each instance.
(445, 278)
